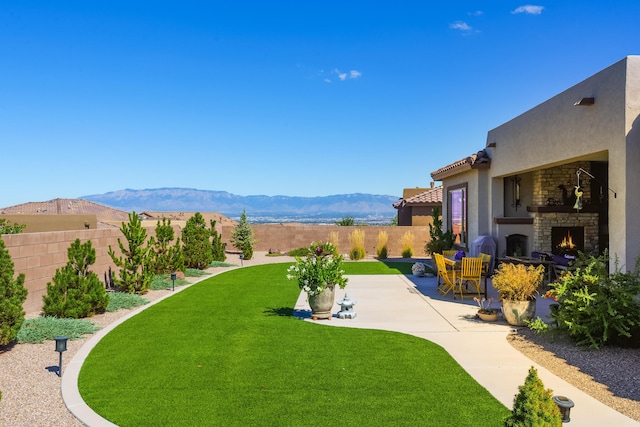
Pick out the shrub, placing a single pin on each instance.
(40, 329)
(195, 241)
(334, 239)
(439, 240)
(167, 257)
(597, 308)
(242, 237)
(217, 246)
(123, 300)
(163, 281)
(13, 295)
(346, 221)
(381, 247)
(356, 240)
(135, 265)
(7, 228)
(517, 282)
(533, 405)
(76, 292)
(406, 243)
(298, 252)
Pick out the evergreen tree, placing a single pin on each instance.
(12, 295)
(242, 236)
(167, 257)
(533, 406)
(217, 247)
(196, 245)
(7, 228)
(136, 274)
(76, 291)
(440, 240)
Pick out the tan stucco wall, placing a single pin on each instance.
(557, 132)
(37, 223)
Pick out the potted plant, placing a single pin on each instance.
(485, 312)
(318, 273)
(517, 286)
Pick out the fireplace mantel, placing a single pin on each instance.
(563, 209)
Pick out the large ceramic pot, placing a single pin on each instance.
(322, 304)
(517, 313)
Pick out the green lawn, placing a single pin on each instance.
(227, 352)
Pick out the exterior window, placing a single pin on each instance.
(457, 213)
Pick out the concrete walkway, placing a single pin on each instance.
(412, 305)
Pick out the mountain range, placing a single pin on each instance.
(363, 207)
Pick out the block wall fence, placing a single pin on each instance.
(38, 255)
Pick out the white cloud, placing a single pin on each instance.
(529, 9)
(460, 25)
(354, 74)
(327, 80)
(476, 13)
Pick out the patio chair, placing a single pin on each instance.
(470, 274)
(446, 274)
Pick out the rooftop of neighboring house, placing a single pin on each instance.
(420, 196)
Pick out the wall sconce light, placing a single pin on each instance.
(173, 281)
(515, 189)
(61, 346)
(585, 102)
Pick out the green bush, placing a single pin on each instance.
(298, 252)
(533, 406)
(40, 329)
(76, 292)
(407, 253)
(242, 237)
(136, 262)
(13, 295)
(195, 238)
(125, 300)
(167, 257)
(439, 240)
(163, 281)
(597, 308)
(383, 253)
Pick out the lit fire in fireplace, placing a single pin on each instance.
(567, 242)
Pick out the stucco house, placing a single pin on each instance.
(416, 205)
(556, 176)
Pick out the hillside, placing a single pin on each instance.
(361, 206)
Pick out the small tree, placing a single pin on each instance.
(533, 405)
(242, 236)
(196, 245)
(217, 247)
(7, 228)
(440, 241)
(76, 291)
(346, 221)
(167, 257)
(12, 295)
(135, 265)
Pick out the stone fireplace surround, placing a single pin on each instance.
(545, 188)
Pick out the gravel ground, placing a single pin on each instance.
(31, 388)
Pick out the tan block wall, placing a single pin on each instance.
(37, 223)
(285, 237)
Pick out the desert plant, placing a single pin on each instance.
(217, 246)
(76, 292)
(40, 329)
(135, 263)
(124, 300)
(595, 307)
(534, 405)
(7, 228)
(346, 221)
(167, 257)
(356, 240)
(242, 236)
(406, 243)
(439, 239)
(381, 247)
(517, 282)
(334, 238)
(196, 245)
(12, 295)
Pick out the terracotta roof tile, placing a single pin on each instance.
(68, 206)
(475, 161)
(431, 196)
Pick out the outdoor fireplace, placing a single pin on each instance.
(567, 240)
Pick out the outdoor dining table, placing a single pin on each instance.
(457, 266)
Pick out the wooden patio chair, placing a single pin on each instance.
(446, 274)
(470, 274)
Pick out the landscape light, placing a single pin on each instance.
(61, 346)
(241, 258)
(173, 281)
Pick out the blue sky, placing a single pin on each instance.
(278, 98)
